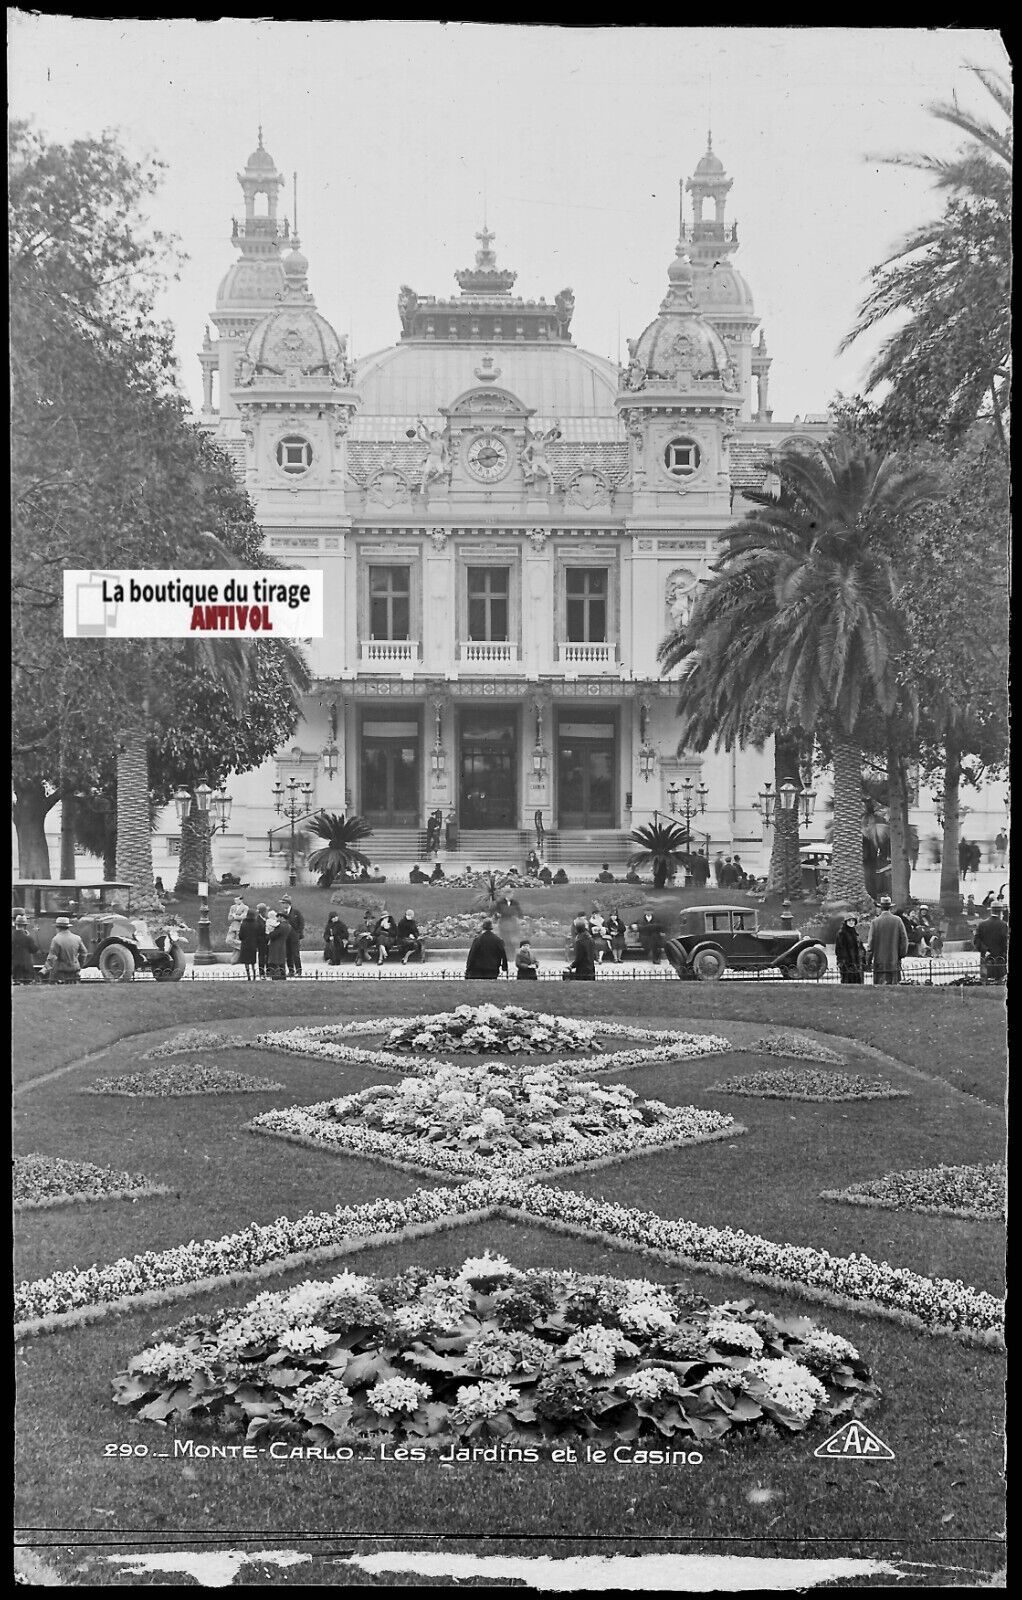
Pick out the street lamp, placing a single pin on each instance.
(539, 755)
(331, 755)
(647, 755)
(766, 803)
(804, 799)
(299, 797)
(689, 810)
(215, 806)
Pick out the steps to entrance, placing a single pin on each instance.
(500, 848)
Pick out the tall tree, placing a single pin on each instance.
(812, 613)
(108, 472)
(948, 363)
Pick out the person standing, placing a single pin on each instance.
(650, 938)
(278, 930)
(296, 921)
(508, 912)
(848, 951)
(248, 944)
(700, 869)
(718, 868)
(487, 957)
(67, 954)
(262, 937)
(526, 965)
(23, 948)
(1001, 850)
(887, 945)
(991, 940)
(583, 963)
(235, 917)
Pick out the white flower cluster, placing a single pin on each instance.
(484, 1399)
(170, 1361)
(788, 1384)
(820, 1345)
(651, 1383)
(485, 1266)
(726, 1330)
(326, 1394)
(598, 1347)
(497, 1354)
(397, 1394)
(303, 1340)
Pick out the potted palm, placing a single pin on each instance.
(338, 855)
(664, 847)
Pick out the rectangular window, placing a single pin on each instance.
(488, 590)
(586, 605)
(389, 602)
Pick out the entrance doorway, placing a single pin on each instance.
(586, 764)
(488, 788)
(390, 774)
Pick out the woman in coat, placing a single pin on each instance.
(583, 966)
(616, 935)
(248, 944)
(277, 931)
(335, 939)
(849, 952)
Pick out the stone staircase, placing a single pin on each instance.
(500, 848)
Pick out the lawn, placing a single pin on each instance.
(940, 1498)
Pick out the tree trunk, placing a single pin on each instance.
(134, 837)
(847, 885)
(195, 864)
(785, 861)
(660, 875)
(950, 882)
(67, 835)
(31, 805)
(897, 811)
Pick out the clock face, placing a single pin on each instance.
(488, 458)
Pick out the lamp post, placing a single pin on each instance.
(296, 805)
(647, 755)
(688, 808)
(539, 755)
(215, 807)
(790, 796)
(438, 755)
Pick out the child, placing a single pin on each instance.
(525, 961)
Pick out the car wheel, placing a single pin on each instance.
(812, 962)
(175, 973)
(708, 965)
(117, 964)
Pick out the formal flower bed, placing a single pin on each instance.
(796, 1046)
(931, 1304)
(195, 1078)
(784, 1083)
(490, 1354)
(462, 926)
(325, 1043)
(976, 1191)
(487, 1029)
(43, 1181)
(187, 1040)
(494, 1116)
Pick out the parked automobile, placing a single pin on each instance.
(119, 945)
(709, 939)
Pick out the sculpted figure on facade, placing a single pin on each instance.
(535, 462)
(564, 306)
(682, 586)
(437, 464)
(407, 300)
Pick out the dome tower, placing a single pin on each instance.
(722, 292)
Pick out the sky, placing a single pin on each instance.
(569, 141)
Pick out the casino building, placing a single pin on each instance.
(507, 526)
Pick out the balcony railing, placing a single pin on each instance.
(388, 652)
(572, 654)
(488, 653)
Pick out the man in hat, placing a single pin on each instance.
(991, 940)
(23, 948)
(887, 945)
(296, 922)
(262, 937)
(67, 954)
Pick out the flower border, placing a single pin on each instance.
(855, 1282)
(372, 1145)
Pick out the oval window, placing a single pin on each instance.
(294, 454)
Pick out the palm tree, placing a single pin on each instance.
(665, 846)
(802, 616)
(339, 853)
(949, 362)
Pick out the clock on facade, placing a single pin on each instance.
(488, 458)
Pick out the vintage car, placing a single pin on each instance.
(710, 939)
(119, 945)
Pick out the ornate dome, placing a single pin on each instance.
(255, 281)
(680, 346)
(709, 163)
(294, 336)
(722, 287)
